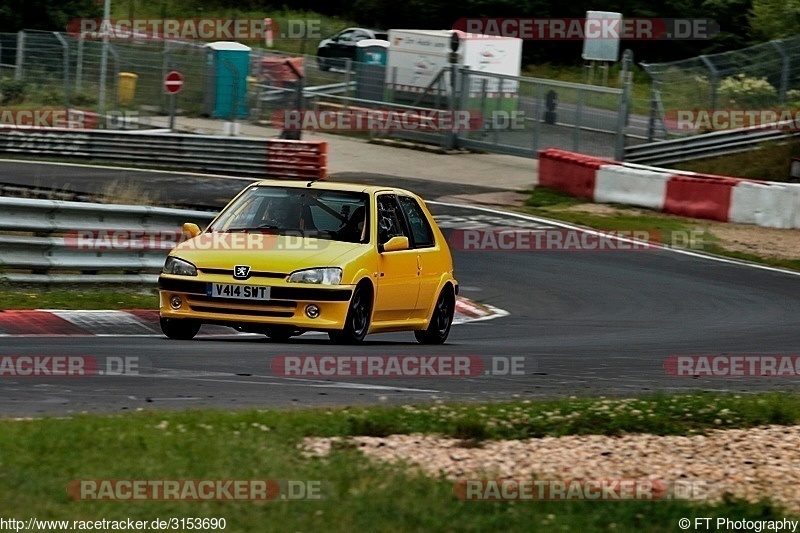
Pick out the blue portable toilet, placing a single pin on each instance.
(370, 68)
(225, 83)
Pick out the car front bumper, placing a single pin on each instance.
(286, 306)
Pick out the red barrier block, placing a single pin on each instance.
(569, 172)
(700, 197)
(296, 159)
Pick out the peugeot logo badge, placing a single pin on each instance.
(241, 272)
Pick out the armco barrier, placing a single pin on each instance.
(217, 154)
(722, 198)
(569, 172)
(49, 251)
(699, 197)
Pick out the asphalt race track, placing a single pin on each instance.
(586, 323)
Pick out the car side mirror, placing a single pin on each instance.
(395, 244)
(192, 229)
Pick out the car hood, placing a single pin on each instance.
(265, 253)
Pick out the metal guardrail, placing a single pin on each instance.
(40, 240)
(239, 156)
(707, 144)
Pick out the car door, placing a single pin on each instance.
(427, 253)
(398, 273)
(340, 47)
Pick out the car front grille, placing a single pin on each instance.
(253, 274)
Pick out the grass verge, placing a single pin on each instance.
(40, 457)
(770, 162)
(76, 297)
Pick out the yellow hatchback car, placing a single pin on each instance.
(288, 257)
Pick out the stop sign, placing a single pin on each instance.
(173, 82)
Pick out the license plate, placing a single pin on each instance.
(239, 292)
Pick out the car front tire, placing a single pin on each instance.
(441, 321)
(279, 334)
(179, 329)
(358, 317)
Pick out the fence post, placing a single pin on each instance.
(115, 54)
(20, 55)
(714, 80)
(778, 44)
(465, 100)
(101, 100)
(65, 46)
(79, 65)
(537, 97)
(624, 105)
(576, 139)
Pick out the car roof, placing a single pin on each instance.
(332, 186)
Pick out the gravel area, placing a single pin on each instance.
(747, 463)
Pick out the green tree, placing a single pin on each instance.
(52, 15)
(773, 19)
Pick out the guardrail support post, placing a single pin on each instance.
(20, 55)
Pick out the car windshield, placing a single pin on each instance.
(325, 214)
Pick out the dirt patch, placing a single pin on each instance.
(746, 238)
(763, 242)
(746, 463)
(497, 199)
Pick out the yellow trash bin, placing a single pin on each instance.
(126, 89)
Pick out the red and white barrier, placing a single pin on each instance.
(618, 184)
(768, 204)
(569, 172)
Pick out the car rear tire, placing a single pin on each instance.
(441, 321)
(179, 329)
(357, 322)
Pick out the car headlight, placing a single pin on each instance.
(179, 267)
(320, 276)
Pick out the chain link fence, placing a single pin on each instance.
(48, 69)
(764, 76)
(506, 114)
(502, 114)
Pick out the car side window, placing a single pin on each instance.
(390, 219)
(346, 37)
(359, 36)
(420, 228)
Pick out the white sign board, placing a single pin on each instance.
(601, 31)
(416, 57)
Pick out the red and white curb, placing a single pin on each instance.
(144, 322)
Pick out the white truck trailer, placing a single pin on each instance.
(416, 57)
